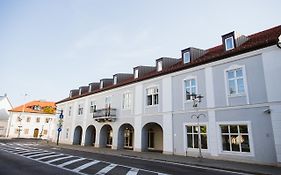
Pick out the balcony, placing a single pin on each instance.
(104, 115)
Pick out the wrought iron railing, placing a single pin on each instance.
(106, 114)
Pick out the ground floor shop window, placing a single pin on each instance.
(150, 139)
(109, 138)
(128, 138)
(235, 138)
(193, 136)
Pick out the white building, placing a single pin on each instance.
(152, 109)
(32, 120)
(5, 105)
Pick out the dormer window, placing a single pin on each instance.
(80, 91)
(115, 80)
(101, 84)
(186, 57)
(90, 88)
(136, 75)
(229, 43)
(159, 66)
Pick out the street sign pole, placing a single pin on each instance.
(59, 126)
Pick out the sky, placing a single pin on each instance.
(49, 47)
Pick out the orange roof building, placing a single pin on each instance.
(42, 107)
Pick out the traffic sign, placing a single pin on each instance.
(59, 129)
(61, 116)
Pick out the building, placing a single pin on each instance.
(32, 120)
(5, 105)
(156, 108)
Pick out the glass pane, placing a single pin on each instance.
(149, 100)
(240, 85)
(235, 143)
(187, 94)
(203, 129)
(229, 43)
(224, 128)
(189, 141)
(230, 74)
(187, 83)
(239, 72)
(233, 129)
(225, 143)
(195, 129)
(193, 90)
(186, 57)
(193, 82)
(195, 140)
(232, 89)
(189, 129)
(243, 128)
(245, 143)
(204, 141)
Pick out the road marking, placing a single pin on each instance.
(70, 162)
(22, 152)
(45, 157)
(133, 171)
(61, 158)
(43, 154)
(85, 166)
(31, 153)
(106, 169)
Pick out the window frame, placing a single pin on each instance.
(129, 106)
(136, 73)
(185, 58)
(159, 65)
(152, 98)
(226, 45)
(250, 137)
(184, 87)
(93, 106)
(80, 109)
(115, 80)
(226, 82)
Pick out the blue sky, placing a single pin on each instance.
(49, 47)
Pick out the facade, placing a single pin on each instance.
(5, 105)
(156, 108)
(32, 120)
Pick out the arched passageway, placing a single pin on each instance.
(106, 135)
(90, 136)
(77, 137)
(126, 136)
(152, 137)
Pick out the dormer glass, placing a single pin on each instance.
(136, 75)
(90, 88)
(159, 66)
(186, 57)
(101, 84)
(80, 91)
(115, 80)
(70, 94)
(229, 43)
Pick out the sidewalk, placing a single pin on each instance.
(209, 163)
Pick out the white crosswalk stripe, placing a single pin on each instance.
(85, 166)
(46, 157)
(106, 169)
(70, 162)
(57, 159)
(43, 154)
(133, 171)
(33, 152)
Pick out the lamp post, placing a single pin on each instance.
(196, 101)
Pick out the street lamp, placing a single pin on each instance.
(196, 100)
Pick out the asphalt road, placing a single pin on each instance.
(20, 157)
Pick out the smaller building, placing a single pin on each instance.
(5, 106)
(32, 120)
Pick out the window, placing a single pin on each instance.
(80, 109)
(128, 138)
(193, 136)
(19, 119)
(47, 120)
(38, 119)
(109, 138)
(115, 79)
(93, 107)
(152, 96)
(229, 43)
(235, 138)
(26, 131)
(107, 102)
(45, 132)
(69, 111)
(101, 84)
(190, 88)
(36, 108)
(186, 57)
(151, 135)
(235, 81)
(159, 66)
(136, 73)
(67, 133)
(28, 119)
(126, 100)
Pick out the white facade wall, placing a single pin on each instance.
(5, 106)
(172, 114)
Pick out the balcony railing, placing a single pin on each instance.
(106, 114)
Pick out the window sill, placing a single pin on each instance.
(236, 95)
(196, 149)
(233, 153)
(151, 106)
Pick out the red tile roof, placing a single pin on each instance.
(28, 107)
(256, 41)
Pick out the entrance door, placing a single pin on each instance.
(36, 132)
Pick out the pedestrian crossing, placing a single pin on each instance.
(76, 164)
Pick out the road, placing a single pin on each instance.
(31, 158)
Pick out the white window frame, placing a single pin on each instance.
(129, 106)
(159, 65)
(136, 74)
(185, 60)
(101, 84)
(185, 136)
(153, 105)
(250, 136)
(106, 102)
(69, 110)
(92, 103)
(80, 106)
(245, 93)
(184, 88)
(115, 80)
(232, 41)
